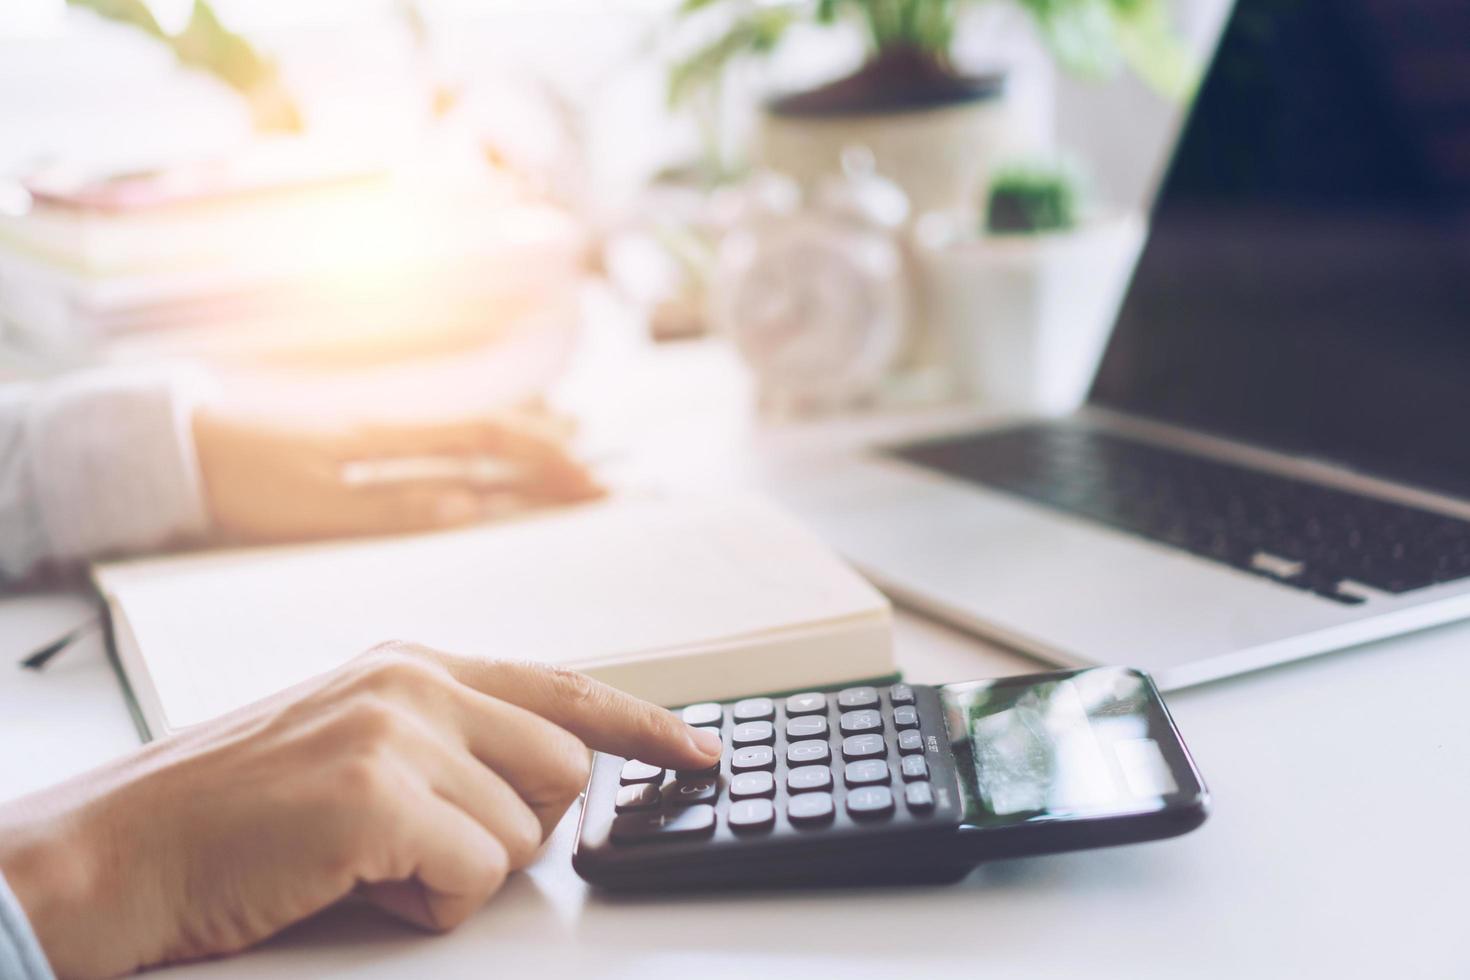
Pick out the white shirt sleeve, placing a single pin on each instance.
(98, 463)
(20, 955)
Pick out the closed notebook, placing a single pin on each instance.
(674, 599)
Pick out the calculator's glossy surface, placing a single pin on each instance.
(849, 784)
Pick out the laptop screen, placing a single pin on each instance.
(1306, 284)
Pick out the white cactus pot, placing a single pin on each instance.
(1024, 319)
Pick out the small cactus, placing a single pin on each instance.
(1032, 200)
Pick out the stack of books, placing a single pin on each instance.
(281, 254)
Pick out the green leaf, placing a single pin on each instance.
(692, 6)
(1153, 49)
(757, 33)
(133, 12)
(205, 43)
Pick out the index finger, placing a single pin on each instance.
(603, 717)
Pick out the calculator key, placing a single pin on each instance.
(810, 703)
(863, 746)
(753, 733)
(869, 801)
(807, 726)
(808, 778)
(640, 772)
(914, 767)
(910, 742)
(747, 784)
(919, 797)
(809, 808)
(706, 713)
(807, 753)
(639, 796)
(865, 772)
(906, 716)
(901, 694)
(753, 757)
(656, 825)
(857, 697)
(754, 709)
(751, 815)
(687, 792)
(867, 720)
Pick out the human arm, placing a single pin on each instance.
(418, 779)
(95, 463)
(122, 461)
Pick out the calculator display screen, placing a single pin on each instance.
(1086, 744)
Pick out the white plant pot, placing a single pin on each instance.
(941, 157)
(1024, 319)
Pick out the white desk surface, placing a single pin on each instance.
(1337, 848)
(1339, 845)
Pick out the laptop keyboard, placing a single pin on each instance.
(1305, 535)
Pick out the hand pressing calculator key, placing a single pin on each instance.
(901, 783)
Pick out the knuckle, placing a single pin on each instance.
(397, 666)
(360, 779)
(392, 648)
(654, 724)
(573, 687)
(369, 722)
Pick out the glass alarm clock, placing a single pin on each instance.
(814, 293)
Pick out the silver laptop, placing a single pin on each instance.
(1274, 460)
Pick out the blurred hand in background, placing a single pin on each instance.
(267, 480)
(116, 462)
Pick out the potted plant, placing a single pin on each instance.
(1023, 304)
(932, 127)
(205, 43)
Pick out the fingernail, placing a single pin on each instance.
(707, 742)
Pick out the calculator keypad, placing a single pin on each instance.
(686, 792)
(811, 703)
(752, 815)
(810, 752)
(748, 784)
(808, 778)
(810, 808)
(807, 726)
(866, 772)
(694, 821)
(753, 733)
(753, 757)
(854, 757)
(919, 797)
(708, 713)
(754, 709)
(640, 796)
(866, 720)
(870, 801)
(641, 772)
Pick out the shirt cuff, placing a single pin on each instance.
(113, 461)
(20, 954)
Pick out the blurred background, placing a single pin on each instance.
(442, 205)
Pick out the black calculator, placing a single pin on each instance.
(895, 783)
